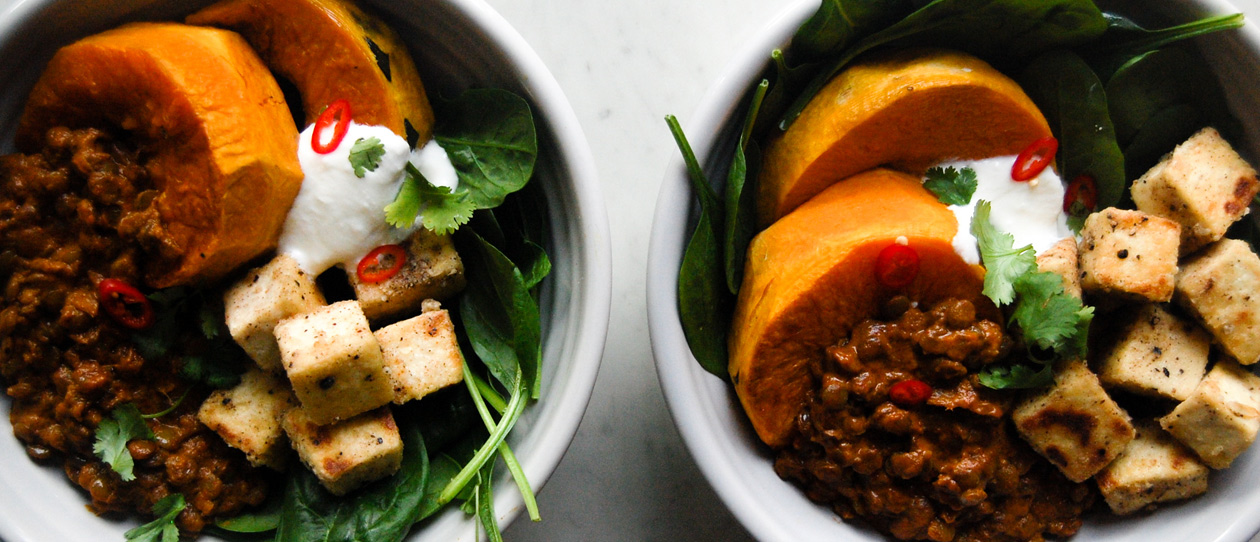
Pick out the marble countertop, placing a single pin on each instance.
(624, 66)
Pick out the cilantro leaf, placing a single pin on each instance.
(365, 155)
(1016, 377)
(440, 210)
(162, 528)
(951, 186)
(1048, 316)
(1003, 264)
(112, 435)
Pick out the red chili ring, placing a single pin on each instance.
(909, 393)
(1083, 190)
(125, 304)
(897, 266)
(1034, 159)
(370, 269)
(337, 115)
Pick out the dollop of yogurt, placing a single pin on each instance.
(338, 217)
(1031, 211)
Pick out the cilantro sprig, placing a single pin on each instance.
(365, 155)
(444, 211)
(1044, 315)
(162, 528)
(952, 186)
(125, 425)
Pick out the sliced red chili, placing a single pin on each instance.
(897, 266)
(1081, 196)
(335, 116)
(1034, 159)
(382, 263)
(909, 393)
(125, 304)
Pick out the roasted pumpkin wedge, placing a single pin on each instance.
(811, 277)
(907, 110)
(203, 107)
(331, 49)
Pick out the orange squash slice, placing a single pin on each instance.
(908, 110)
(331, 49)
(810, 278)
(222, 146)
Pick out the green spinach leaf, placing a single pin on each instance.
(500, 315)
(989, 28)
(740, 198)
(704, 302)
(262, 520)
(1125, 39)
(1075, 105)
(382, 511)
(838, 23)
(490, 138)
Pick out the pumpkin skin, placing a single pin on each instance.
(325, 47)
(202, 104)
(810, 278)
(907, 110)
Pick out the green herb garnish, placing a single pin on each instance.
(162, 528)
(112, 435)
(1048, 318)
(952, 186)
(365, 155)
(444, 211)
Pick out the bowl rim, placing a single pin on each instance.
(592, 267)
(681, 377)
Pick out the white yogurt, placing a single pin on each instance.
(338, 217)
(1031, 211)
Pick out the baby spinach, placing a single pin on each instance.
(989, 28)
(382, 511)
(838, 23)
(499, 314)
(1125, 39)
(262, 520)
(1075, 105)
(741, 197)
(489, 136)
(704, 302)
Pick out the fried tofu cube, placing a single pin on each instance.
(421, 353)
(1203, 184)
(1157, 354)
(334, 362)
(433, 271)
(265, 296)
(1220, 419)
(1153, 468)
(1221, 286)
(1129, 253)
(248, 416)
(1074, 423)
(347, 454)
(1061, 259)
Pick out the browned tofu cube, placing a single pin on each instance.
(1221, 286)
(248, 417)
(1203, 185)
(334, 362)
(1153, 468)
(1220, 419)
(265, 296)
(1061, 259)
(421, 353)
(350, 453)
(433, 271)
(1130, 254)
(1074, 423)
(1157, 354)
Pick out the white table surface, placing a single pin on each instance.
(624, 66)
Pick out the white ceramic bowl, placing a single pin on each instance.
(457, 44)
(707, 411)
